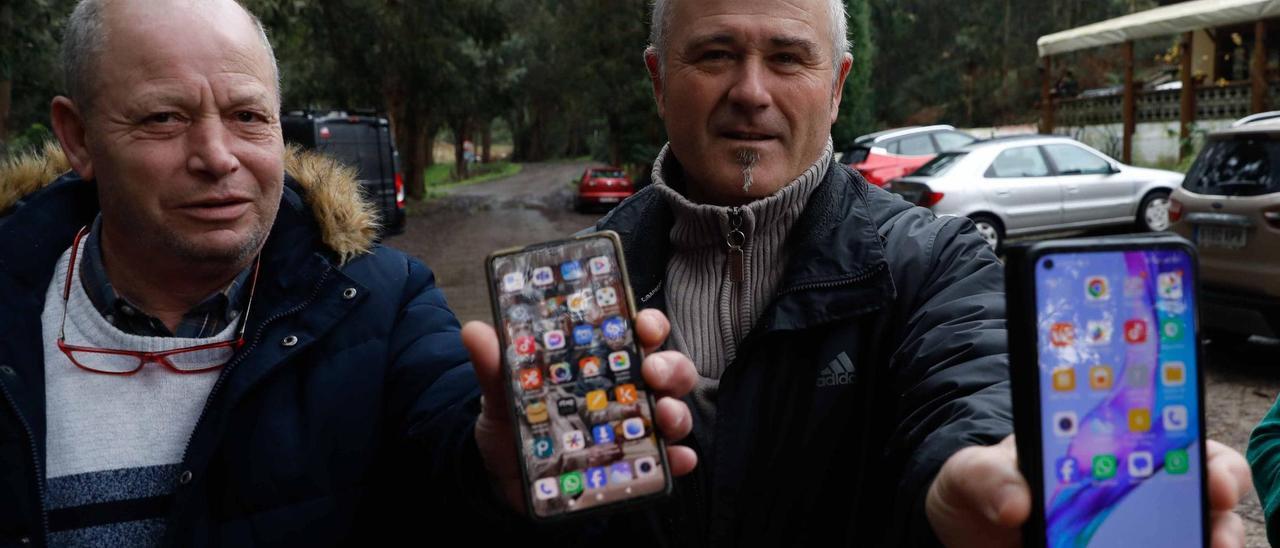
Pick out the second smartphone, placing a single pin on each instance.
(584, 417)
(1108, 398)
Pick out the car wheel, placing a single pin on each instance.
(1153, 214)
(990, 230)
(579, 205)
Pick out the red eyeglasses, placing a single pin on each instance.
(194, 359)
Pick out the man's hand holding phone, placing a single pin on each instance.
(981, 499)
(669, 374)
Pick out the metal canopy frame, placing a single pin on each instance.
(1162, 21)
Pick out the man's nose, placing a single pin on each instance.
(209, 148)
(750, 92)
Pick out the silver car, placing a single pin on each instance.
(1029, 184)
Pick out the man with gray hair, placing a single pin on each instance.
(850, 348)
(203, 345)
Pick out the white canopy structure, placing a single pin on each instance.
(1162, 21)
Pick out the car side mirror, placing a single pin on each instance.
(1115, 168)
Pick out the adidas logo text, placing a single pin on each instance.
(837, 373)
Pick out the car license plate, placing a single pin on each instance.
(1229, 237)
(609, 200)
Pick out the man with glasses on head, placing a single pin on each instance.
(196, 348)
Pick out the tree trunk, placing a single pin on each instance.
(1128, 102)
(487, 142)
(459, 127)
(1046, 97)
(615, 139)
(1004, 42)
(410, 163)
(1258, 69)
(519, 135)
(429, 143)
(404, 122)
(1187, 103)
(969, 85)
(421, 151)
(535, 136)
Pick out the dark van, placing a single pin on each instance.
(362, 142)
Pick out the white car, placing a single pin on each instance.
(1029, 184)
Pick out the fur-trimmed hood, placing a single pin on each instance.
(347, 222)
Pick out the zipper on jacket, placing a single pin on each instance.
(735, 239)
(257, 338)
(35, 459)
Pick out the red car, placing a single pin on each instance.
(602, 187)
(887, 155)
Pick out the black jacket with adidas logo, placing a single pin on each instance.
(882, 354)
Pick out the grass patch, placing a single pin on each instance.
(437, 174)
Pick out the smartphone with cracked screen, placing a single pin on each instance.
(1108, 397)
(585, 431)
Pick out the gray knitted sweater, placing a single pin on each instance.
(715, 294)
(114, 442)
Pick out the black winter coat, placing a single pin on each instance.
(882, 354)
(346, 418)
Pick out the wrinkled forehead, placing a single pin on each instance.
(694, 21)
(176, 36)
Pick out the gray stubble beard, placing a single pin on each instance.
(747, 158)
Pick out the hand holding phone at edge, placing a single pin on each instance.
(670, 374)
(980, 499)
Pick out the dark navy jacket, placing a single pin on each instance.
(346, 418)
(881, 355)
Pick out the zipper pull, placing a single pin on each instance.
(735, 239)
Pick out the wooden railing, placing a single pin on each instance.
(1226, 102)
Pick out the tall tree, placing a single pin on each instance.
(942, 62)
(30, 32)
(857, 107)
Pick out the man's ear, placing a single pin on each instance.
(846, 63)
(655, 76)
(69, 126)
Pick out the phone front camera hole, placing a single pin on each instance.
(1048, 265)
(646, 467)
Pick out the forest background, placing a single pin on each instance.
(547, 79)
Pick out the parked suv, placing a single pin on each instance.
(362, 142)
(887, 155)
(1033, 184)
(1229, 205)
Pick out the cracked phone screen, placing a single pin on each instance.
(584, 415)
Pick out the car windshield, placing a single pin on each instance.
(951, 140)
(1236, 167)
(940, 164)
(607, 173)
(855, 155)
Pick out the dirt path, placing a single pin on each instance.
(454, 234)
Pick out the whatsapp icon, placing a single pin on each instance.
(571, 483)
(1175, 461)
(1104, 467)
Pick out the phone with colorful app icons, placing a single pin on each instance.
(1117, 460)
(565, 315)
